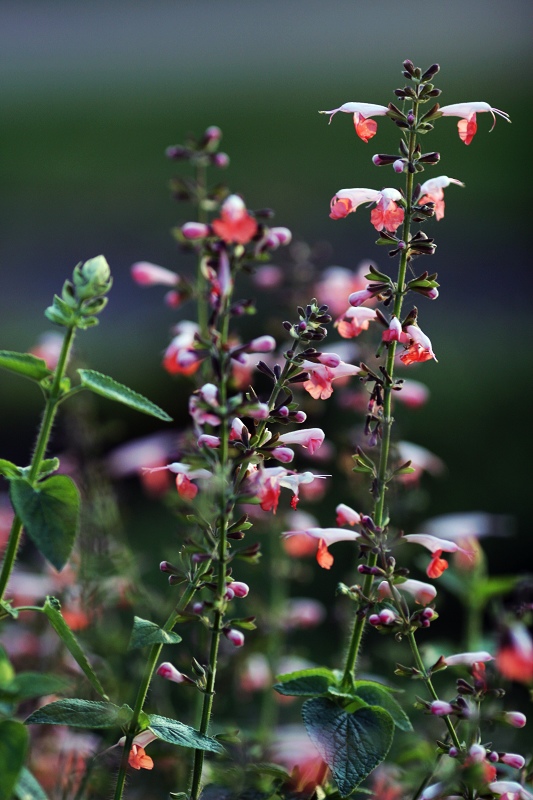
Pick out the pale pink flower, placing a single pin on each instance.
(394, 332)
(365, 127)
(266, 484)
(235, 225)
(206, 440)
(255, 674)
(413, 394)
(357, 299)
(146, 274)
(303, 612)
(419, 348)
(169, 671)
(180, 357)
(283, 454)
(195, 230)
(467, 125)
(387, 214)
(292, 747)
(435, 546)
(354, 321)
(326, 537)
(321, 377)
(132, 458)
(440, 708)
(346, 515)
(468, 659)
(48, 347)
(432, 191)
(311, 438)
(422, 460)
(511, 790)
(268, 277)
(203, 405)
(337, 283)
(234, 636)
(423, 593)
(513, 760)
(514, 718)
(184, 477)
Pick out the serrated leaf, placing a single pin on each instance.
(37, 684)
(8, 469)
(78, 714)
(110, 388)
(50, 515)
(305, 683)
(24, 364)
(146, 633)
(28, 787)
(174, 732)
(352, 745)
(13, 746)
(375, 694)
(52, 610)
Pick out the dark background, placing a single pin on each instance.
(93, 93)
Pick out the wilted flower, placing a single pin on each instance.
(365, 128)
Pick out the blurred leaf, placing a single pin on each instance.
(110, 388)
(78, 714)
(352, 745)
(36, 684)
(28, 787)
(306, 682)
(13, 746)
(492, 587)
(52, 610)
(7, 673)
(174, 732)
(50, 515)
(24, 364)
(376, 694)
(146, 633)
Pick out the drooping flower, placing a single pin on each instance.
(235, 224)
(321, 377)
(326, 537)
(394, 332)
(365, 127)
(432, 191)
(468, 659)
(467, 125)
(423, 593)
(354, 321)
(419, 349)
(311, 438)
(346, 515)
(387, 213)
(436, 546)
(266, 484)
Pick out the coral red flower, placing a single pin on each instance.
(319, 383)
(365, 128)
(138, 758)
(467, 126)
(354, 320)
(514, 658)
(419, 349)
(387, 213)
(326, 537)
(235, 225)
(432, 191)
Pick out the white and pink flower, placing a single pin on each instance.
(432, 191)
(310, 438)
(319, 383)
(354, 321)
(467, 125)
(386, 215)
(423, 593)
(365, 127)
(325, 537)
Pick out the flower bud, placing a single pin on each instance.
(92, 279)
(477, 753)
(197, 608)
(220, 160)
(452, 752)
(283, 412)
(169, 671)
(283, 454)
(513, 760)
(177, 152)
(300, 416)
(263, 344)
(374, 619)
(440, 708)
(234, 636)
(240, 589)
(206, 440)
(515, 718)
(399, 165)
(212, 134)
(229, 594)
(387, 617)
(195, 230)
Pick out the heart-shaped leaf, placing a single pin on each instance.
(376, 694)
(352, 745)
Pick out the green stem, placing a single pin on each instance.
(386, 425)
(142, 691)
(52, 402)
(201, 284)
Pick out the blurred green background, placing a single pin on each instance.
(92, 93)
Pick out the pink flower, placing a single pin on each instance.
(146, 274)
(436, 546)
(326, 537)
(510, 790)
(412, 393)
(423, 593)
(513, 760)
(321, 377)
(515, 718)
(235, 225)
(468, 659)
(357, 299)
(419, 349)
(180, 357)
(266, 484)
(234, 636)
(256, 674)
(365, 128)
(347, 516)
(422, 460)
(240, 589)
(206, 440)
(394, 332)
(467, 126)
(303, 612)
(204, 405)
(48, 347)
(354, 320)
(432, 192)
(283, 454)
(336, 283)
(514, 658)
(311, 438)
(169, 671)
(184, 477)
(440, 708)
(195, 230)
(387, 213)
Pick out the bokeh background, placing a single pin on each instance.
(92, 93)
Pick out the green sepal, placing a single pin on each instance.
(174, 732)
(61, 313)
(306, 682)
(50, 514)
(28, 787)
(13, 746)
(110, 388)
(52, 609)
(146, 633)
(80, 714)
(246, 623)
(9, 470)
(24, 364)
(7, 610)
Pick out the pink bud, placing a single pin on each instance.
(229, 593)
(387, 617)
(146, 274)
(358, 298)
(221, 160)
(331, 360)
(513, 760)
(169, 671)
(283, 454)
(173, 299)
(398, 165)
(206, 440)
(477, 753)
(263, 344)
(283, 411)
(515, 718)
(197, 608)
(259, 411)
(240, 589)
(440, 708)
(374, 619)
(234, 636)
(213, 134)
(300, 416)
(195, 230)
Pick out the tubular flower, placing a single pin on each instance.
(432, 191)
(311, 438)
(365, 128)
(468, 659)
(420, 348)
(436, 546)
(387, 213)
(266, 485)
(467, 126)
(354, 320)
(423, 593)
(235, 225)
(321, 377)
(511, 790)
(346, 515)
(514, 658)
(180, 356)
(326, 537)
(146, 274)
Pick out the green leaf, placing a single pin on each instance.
(36, 684)
(78, 714)
(305, 682)
(375, 694)
(7, 673)
(108, 387)
(50, 513)
(174, 732)
(52, 610)
(13, 746)
(146, 633)
(28, 787)
(48, 466)
(8, 469)
(24, 364)
(493, 587)
(352, 745)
